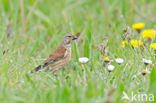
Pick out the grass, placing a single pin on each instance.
(49, 21)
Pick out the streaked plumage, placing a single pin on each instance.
(60, 57)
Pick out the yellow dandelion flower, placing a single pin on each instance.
(123, 46)
(153, 45)
(107, 59)
(148, 34)
(141, 43)
(138, 26)
(124, 43)
(134, 43)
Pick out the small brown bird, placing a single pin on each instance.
(60, 57)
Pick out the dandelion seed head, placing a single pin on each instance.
(119, 60)
(147, 61)
(83, 60)
(110, 68)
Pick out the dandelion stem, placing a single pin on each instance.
(84, 73)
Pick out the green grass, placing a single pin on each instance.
(49, 22)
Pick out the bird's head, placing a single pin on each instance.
(67, 40)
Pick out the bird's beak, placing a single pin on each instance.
(74, 38)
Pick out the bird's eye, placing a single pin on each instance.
(69, 36)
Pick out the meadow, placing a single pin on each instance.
(117, 36)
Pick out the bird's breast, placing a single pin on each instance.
(68, 54)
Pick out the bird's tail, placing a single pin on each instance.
(37, 68)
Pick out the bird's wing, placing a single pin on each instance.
(58, 54)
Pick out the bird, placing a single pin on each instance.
(60, 57)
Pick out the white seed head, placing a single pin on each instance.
(119, 60)
(110, 67)
(147, 61)
(83, 60)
